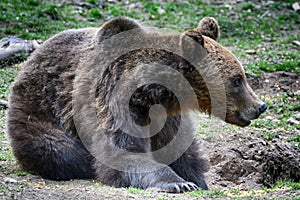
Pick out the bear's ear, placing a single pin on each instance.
(115, 26)
(195, 35)
(192, 45)
(209, 27)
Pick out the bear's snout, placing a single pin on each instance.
(243, 117)
(251, 114)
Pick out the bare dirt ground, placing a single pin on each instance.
(239, 159)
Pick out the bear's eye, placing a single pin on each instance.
(237, 82)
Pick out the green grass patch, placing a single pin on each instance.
(135, 190)
(7, 76)
(295, 140)
(281, 108)
(5, 154)
(95, 13)
(30, 19)
(207, 193)
(2, 122)
(289, 184)
(4, 189)
(259, 194)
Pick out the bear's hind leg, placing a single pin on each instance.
(42, 148)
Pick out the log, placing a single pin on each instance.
(11, 49)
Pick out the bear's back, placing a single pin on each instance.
(45, 83)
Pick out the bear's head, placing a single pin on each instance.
(242, 104)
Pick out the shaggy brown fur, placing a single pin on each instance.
(42, 114)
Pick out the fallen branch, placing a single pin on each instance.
(265, 14)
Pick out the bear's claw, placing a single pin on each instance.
(177, 187)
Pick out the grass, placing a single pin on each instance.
(296, 140)
(291, 185)
(2, 120)
(7, 76)
(5, 153)
(7, 156)
(207, 193)
(257, 194)
(281, 109)
(135, 190)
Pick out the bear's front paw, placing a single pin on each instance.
(176, 187)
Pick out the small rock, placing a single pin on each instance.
(161, 11)
(296, 6)
(3, 103)
(223, 184)
(292, 121)
(275, 121)
(270, 3)
(295, 42)
(241, 181)
(251, 145)
(10, 180)
(112, 1)
(297, 116)
(231, 14)
(269, 118)
(250, 51)
(228, 6)
(263, 142)
(134, 5)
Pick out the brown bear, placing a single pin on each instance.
(113, 104)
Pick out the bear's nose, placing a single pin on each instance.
(262, 108)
